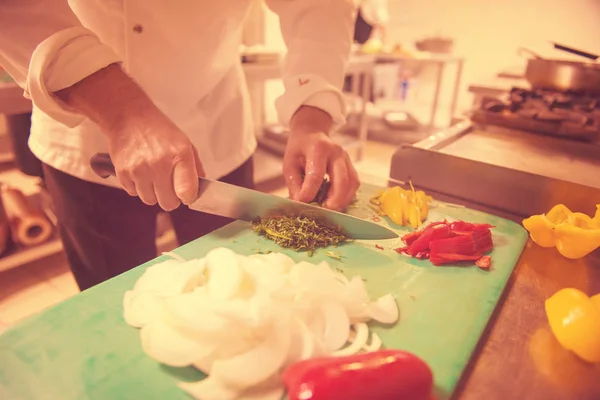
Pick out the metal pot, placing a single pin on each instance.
(562, 75)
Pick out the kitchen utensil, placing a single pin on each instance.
(236, 202)
(443, 313)
(562, 75)
(575, 51)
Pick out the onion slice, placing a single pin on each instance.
(243, 319)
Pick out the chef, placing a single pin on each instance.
(159, 86)
(371, 21)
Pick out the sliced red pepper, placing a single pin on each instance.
(444, 242)
(451, 258)
(409, 238)
(379, 247)
(382, 375)
(431, 233)
(484, 262)
(478, 242)
(463, 226)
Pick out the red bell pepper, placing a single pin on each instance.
(380, 375)
(449, 242)
(431, 233)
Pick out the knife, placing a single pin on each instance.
(236, 202)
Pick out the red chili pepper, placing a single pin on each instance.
(484, 262)
(381, 375)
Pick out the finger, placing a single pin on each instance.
(199, 167)
(165, 193)
(292, 171)
(315, 172)
(354, 179)
(185, 177)
(127, 183)
(145, 189)
(338, 191)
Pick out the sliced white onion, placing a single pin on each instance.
(362, 335)
(195, 312)
(140, 308)
(384, 310)
(168, 346)
(337, 325)
(243, 319)
(375, 344)
(258, 364)
(171, 277)
(225, 273)
(174, 256)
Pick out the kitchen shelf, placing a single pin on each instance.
(19, 255)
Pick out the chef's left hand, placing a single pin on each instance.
(310, 151)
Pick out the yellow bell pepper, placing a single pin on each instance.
(573, 234)
(574, 319)
(403, 207)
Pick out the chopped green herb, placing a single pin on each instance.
(341, 271)
(299, 232)
(334, 255)
(259, 251)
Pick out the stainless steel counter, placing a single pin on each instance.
(515, 175)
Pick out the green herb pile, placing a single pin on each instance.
(298, 233)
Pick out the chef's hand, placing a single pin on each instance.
(153, 158)
(311, 152)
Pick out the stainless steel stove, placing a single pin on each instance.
(572, 115)
(520, 153)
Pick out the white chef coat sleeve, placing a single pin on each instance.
(318, 35)
(44, 48)
(375, 12)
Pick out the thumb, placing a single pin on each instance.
(199, 167)
(185, 179)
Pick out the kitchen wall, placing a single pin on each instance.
(486, 32)
(489, 32)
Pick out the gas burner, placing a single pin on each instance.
(571, 115)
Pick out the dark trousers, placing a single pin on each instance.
(106, 232)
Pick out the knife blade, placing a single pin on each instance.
(236, 202)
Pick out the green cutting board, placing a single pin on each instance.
(82, 348)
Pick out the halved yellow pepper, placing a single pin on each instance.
(573, 234)
(403, 207)
(574, 319)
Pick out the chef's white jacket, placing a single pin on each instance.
(183, 53)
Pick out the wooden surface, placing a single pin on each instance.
(82, 349)
(519, 358)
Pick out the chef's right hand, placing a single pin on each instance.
(155, 160)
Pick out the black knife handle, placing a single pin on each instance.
(102, 165)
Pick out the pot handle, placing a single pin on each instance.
(571, 50)
(522, 51)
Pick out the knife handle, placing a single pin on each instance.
(102, 165)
